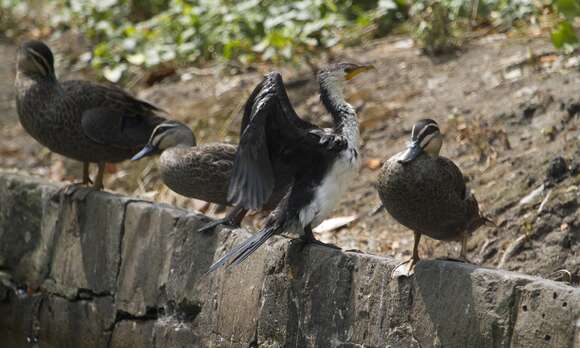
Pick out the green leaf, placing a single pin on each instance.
(564, 35)
(331, 5)
(569, 8)
(101, 50)
(136, 59)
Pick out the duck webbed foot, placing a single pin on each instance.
(233, 219)
(401, 271)
(408, 271)
(462, 254)
(71, 189)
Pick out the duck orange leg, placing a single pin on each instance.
(410, 269)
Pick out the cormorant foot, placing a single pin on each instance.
(309, 239)
(328, 245)
(210, 226)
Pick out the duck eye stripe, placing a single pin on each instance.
(164, 127)
(428, 129)
(40, 60)
(158, 138)
(426, 140)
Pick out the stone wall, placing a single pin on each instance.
(112, 271)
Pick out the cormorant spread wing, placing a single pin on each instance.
(272, 135)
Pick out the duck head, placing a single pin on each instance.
(35, 60)
(167, 135)
(425, 138)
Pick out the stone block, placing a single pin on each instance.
(86, 254)
(148, 243)
(81, 323)
(133, 334)
(21, 213)
(118, 272)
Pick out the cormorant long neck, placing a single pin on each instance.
(343, 114)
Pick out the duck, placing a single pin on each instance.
(200, 171)
(323, 162)
(426, 193)
(78, 119)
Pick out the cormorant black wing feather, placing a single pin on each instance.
(271, 131)
(252, 179)
(242, 251)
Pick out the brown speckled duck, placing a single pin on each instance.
(426, 192)
(202, 172)
(82, 120)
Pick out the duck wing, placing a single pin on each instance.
(111, 116)
(455, 177)
(116, 128)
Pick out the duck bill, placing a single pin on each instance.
(148, 150)
(412, 152)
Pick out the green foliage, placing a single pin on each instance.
(501, 12)
(564, 36)
(440, 24)
(569, 8)
(195, 31)
(436, 32)
(139, 34)
(11, 11)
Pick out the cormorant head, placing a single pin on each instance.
(331, 80)
(166, 135)
(425, 137)
(35, 60)
(343, 71)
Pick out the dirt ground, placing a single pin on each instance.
(509, 108)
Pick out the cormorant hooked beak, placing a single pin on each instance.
(148, 150)
(413, 151)
(359, 69)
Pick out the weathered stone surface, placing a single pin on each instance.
(230, 308)
(35, 266)
(173, 333)
(19, 318)
(23, 202)
(81, 323)
(544, 311)
(161, 333)
(116, 272)
(86, 254)
(133, 333)
(146, 249)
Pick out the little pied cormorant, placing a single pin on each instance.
(323, 162)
